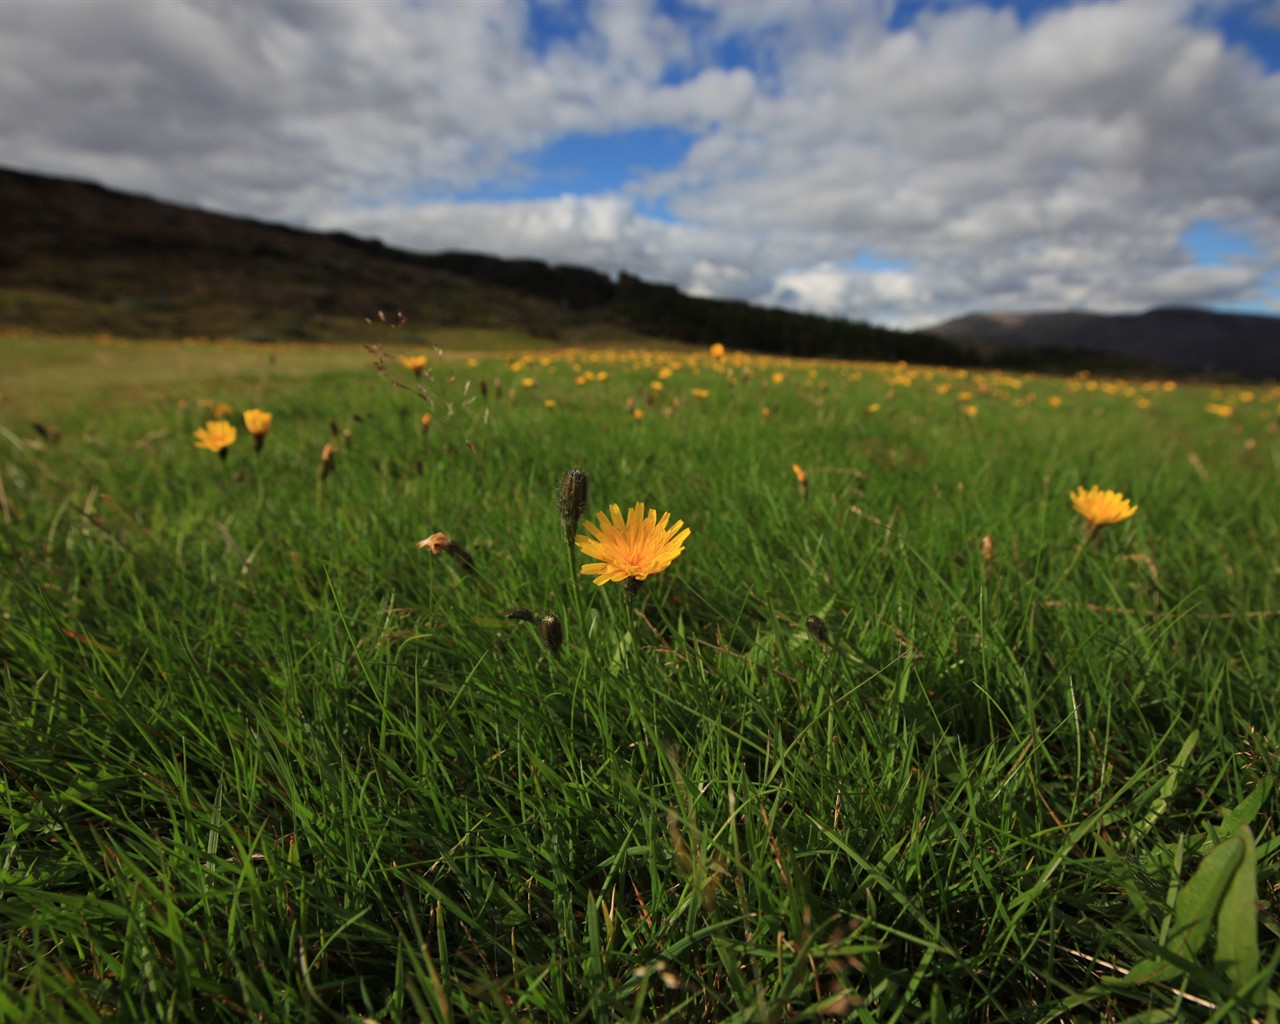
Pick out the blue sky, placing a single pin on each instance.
(895, 162)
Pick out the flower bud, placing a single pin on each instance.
(552, 633)
(817, 628)
(572, 501)
(328, 460)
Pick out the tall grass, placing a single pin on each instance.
(265, 758)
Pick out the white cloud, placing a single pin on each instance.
(999, 163)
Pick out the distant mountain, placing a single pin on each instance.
(1191, 340)
(79, 258)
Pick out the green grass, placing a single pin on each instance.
(262, 758)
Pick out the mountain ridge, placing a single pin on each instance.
(79, 257)
(1184, 338)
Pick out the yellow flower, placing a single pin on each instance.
(1101, 508)
(802, 480)
(630, 550)
(415, 363)
(717, 351)
(700, 392)
(970, 410)
(550, 403)
(258, 423)
(1218, 409)
(215, 436)
(221, 410)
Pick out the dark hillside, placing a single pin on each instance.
(79, 258)
(76, 257)
(1190, 340)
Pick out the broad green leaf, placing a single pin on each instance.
(1199, 900)
(1237, 954)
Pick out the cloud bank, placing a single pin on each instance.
(844, 158)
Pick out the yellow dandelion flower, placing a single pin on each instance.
(258, 423)
(970, 410)
(1055, 401)
(632, 549)
(717, 351)
(1219, 409)
(549, 403)
(528, 382)
(221, 410)
(700, 392)
(656, 385)
(777, 376)
(637, 414)
(1101, 508)
(415, 363)
(215, 436)
(873, 407)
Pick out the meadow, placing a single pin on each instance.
(896, 737)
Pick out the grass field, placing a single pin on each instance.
(897, 743)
